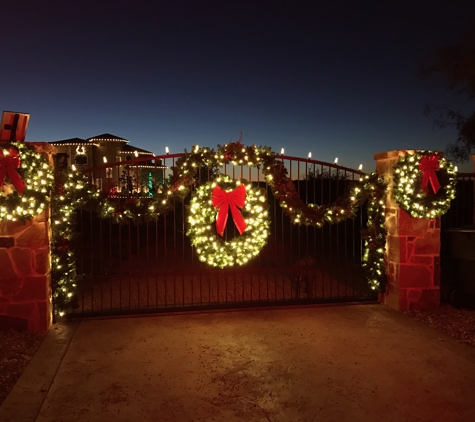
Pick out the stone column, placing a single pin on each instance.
(412, 250)
(25, 270)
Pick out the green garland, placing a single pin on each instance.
(73, 191)
(37, 175)
(408, 191)
(211, 248)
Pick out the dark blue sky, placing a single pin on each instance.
(333, 77)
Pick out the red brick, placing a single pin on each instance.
(10, 286)
(412, 226)
(429, 244)
(422, 259)
(12, 227)
(42, 319)
(423, 299)
(409, 250)
(42, 261)
(22, 260)
(22, 310)
(7, 270)
(415, 276)
(34, 237)
(34, 288)
(394, 248)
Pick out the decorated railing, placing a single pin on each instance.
(424, 185)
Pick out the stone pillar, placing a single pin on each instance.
(25, 270)
(412, 250)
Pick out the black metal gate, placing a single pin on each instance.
(460, 215)
(150, 267)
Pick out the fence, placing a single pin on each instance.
(461, 214)
(124, 268)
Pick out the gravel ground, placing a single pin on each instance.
(457, 323)
(17, 348)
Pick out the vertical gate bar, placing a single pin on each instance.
(183, 251)
(80, 218)
(91, 257)
(147, 258)
(138, 277)
(109, 224)
(322, 233)
(119, 228)
(174, 256)
(101, 259)
(314, 198)
(129, 241)
(165, 251)
(156, 266)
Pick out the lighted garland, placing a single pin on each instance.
(79, 193)
(409, 192)
(210, 246)
(73, 191)
(33, 177)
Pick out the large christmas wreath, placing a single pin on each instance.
(424, 183)
(26, 180)
(249, 211)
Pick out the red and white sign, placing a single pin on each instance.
(13, 126)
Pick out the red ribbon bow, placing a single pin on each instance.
(429, 164)
(222, 201)
(9, 162)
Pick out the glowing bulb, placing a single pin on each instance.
(336, 160)
(309, 155)
(456, 168)
(73, 167)
(167, 151)
(282, 151)
(104, 159)
(360, 167)
(136, 153)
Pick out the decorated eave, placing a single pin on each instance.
(106, 137)
(136, 152)
(73, 142)
(129, 149)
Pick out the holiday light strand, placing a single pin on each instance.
(37, 176)
(408, 185)
(210, 246)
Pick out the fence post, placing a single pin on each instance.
(412, 250)
(25, 269)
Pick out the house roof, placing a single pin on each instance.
(107, 137)
(71, 141)
(131, 149)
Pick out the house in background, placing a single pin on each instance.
(94, 153)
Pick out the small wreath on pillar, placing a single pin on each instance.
(26, 179)
(208, 214)
(424, 183)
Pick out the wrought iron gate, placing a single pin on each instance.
(152, 267)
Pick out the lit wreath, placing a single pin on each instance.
(210, 203)
(424, 183)
(26, 179)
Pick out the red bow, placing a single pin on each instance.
(9, 162)
(222, 201)
(429, 164)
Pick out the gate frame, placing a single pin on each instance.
(412, 260)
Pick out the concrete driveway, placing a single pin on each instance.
(343, 363)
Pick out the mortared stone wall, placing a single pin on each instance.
(25, 270)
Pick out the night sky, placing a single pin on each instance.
(337, 78)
